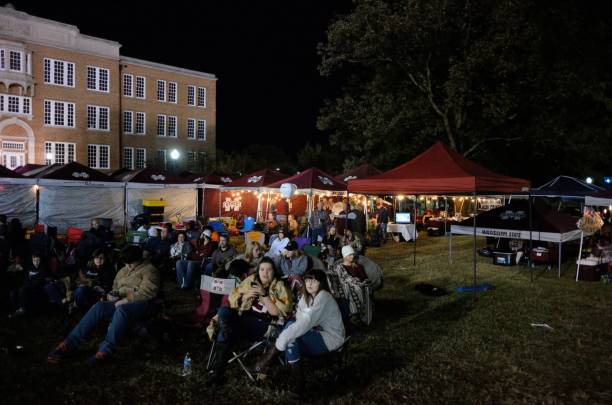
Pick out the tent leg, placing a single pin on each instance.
(579, 255)
(560, 244)
(530, 239)
(450, 248)
(474, 243)
(415, 231)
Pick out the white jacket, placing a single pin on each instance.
(323, 314)
(277, 247)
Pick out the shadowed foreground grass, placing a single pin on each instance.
(419, 349)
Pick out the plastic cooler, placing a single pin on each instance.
(504, 258)
(155, 210)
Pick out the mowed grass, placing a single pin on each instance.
(459, 348)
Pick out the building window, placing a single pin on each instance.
(140, 87)
(128, 122)
(191, 95)
(172, 92)
(161, 125)
(128, 158)
(98, 156)
(141, 158)
(202, 97)
(59, 113)
(2, 65)
(59, 152)
(191, 160)
(97, 79)
(141, 120)
(161, 90)
(172, 126)
(58, 72)
(201, 130)
(191, 128)
(15, 61)
(13, 104)
(127, 85)
(161, 158)
(97, 117)
(201, 160)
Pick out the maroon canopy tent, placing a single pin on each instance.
(243, 196)
(311, 184)
(211, 184)
(438, 170)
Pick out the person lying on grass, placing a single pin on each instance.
(316, 330)
(134, 289)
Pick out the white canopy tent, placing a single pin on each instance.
(18, 199)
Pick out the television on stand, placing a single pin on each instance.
(402, 218)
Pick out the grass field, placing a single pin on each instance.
(459, 348)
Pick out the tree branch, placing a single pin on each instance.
(479, 143)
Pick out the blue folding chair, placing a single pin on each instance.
(249, 222)
(217, 226)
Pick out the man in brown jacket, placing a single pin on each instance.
(134, 288)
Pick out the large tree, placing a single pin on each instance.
(487, 77)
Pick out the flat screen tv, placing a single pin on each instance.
(402, 217)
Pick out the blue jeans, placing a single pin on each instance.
(233, 325)
(85, 296)
(383, 230)
(185, 270)
(121, 319)
(314, 235)
(310, 344)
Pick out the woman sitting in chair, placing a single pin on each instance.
(316, 330)
(254, 303)
(252, 255)
(347, 281)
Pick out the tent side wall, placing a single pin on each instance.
(19, 201)
(181, 201)
(77, 206)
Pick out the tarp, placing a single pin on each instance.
(74, 194)
(18, 201)
(359, 172)
(153, 183)
(566, 187)
(27, 168)
(599, 199)
(511, 221)
(310, 181)
(438, 170)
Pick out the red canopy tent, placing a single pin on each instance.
(311, 184)
(243, 196)
(438, 170)
(359, 172)
(211, 184)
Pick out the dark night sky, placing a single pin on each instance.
(263, 52)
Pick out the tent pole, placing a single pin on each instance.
(474, 242)
(415, 234)
(450, 248)
(579, 255)
(125, 209)
(219, 202)
(530, 237)
(560, 244)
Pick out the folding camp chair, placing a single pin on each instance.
(254, 236)
(248, 224)
(301, 242)
(211, 287)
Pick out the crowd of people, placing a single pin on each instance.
(277, 283)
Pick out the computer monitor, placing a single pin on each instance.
(402, 217)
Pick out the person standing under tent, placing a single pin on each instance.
(318, 223)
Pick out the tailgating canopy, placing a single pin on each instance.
(17, 196)
(360, 172)
(511, 221)
(599, 199)
(311, 181)
(73, 194)
(566, 187)
(210, 186)
(238, 197)
(438, 170)
(152, 183)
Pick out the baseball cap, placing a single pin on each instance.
(291, 246)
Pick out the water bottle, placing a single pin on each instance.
(187, 365)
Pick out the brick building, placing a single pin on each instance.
(66, 96)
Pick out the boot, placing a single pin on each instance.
(297, 378)
(264, 361)
(216, 375)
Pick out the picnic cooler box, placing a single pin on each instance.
(542, 255)
(155, 210)
(590, 269)
(504, 258)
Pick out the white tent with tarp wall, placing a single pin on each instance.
(18, 199)
(181, 199)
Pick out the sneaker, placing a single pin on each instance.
(98, 358)
(58, 354)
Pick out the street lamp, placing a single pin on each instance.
(174, 155)
(589, 180)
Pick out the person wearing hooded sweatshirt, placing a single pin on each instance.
(37, 288)
(95, 280)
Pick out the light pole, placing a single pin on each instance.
(174, 155)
